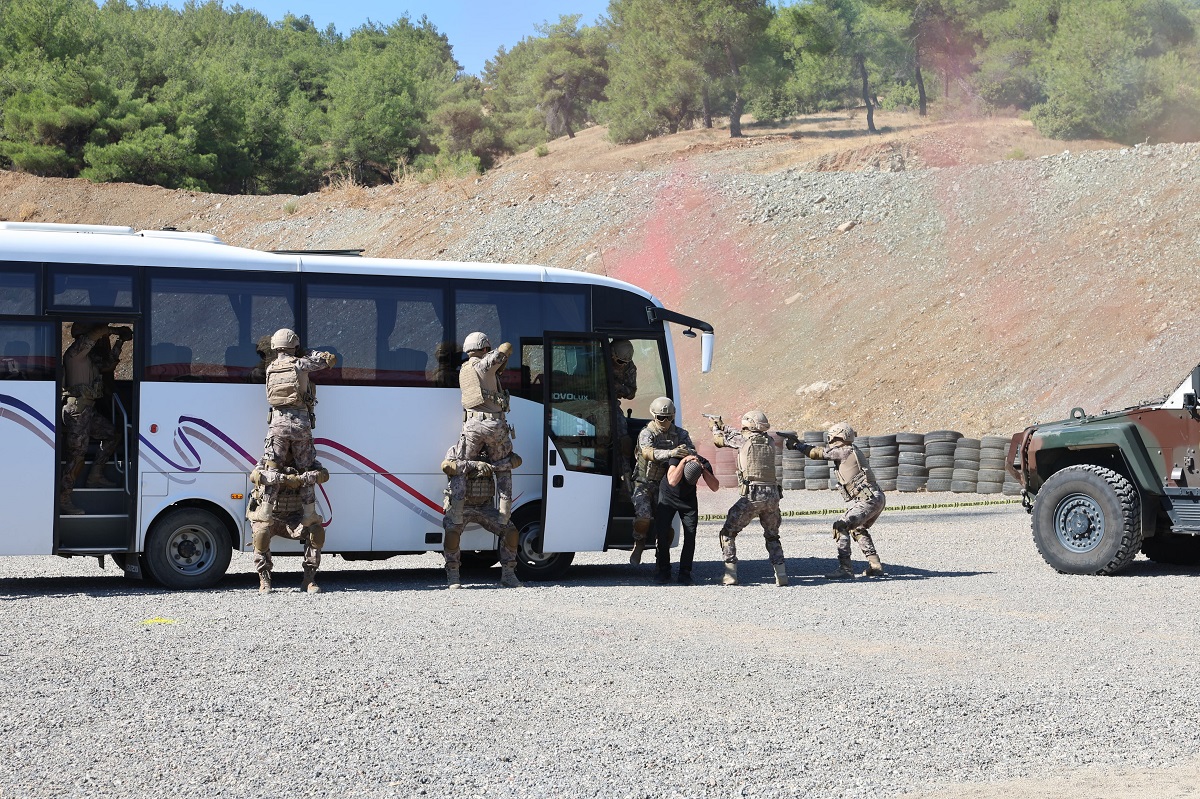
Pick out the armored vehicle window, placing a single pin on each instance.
(208, 329)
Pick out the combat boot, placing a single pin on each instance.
(264, 582)
(844, 572)
(874, 567)
(730, 577)
(453, 578)
(66, 507)
(635, 555)
(508, 576)
(97, 479)
(780, 574)
(309, 581)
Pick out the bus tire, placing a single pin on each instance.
(532, 564)
(187, 548)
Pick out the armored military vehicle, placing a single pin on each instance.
(1101, 488)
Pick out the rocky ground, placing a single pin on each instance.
(968, 275)
(974, 670)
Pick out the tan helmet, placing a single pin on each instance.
(843, 432)
(756, 421)
(622, 350)
(663, 407)
(285, 339)
(476, 341)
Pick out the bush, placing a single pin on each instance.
(541, 151)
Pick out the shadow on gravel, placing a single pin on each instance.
(17, 588)
(1149, 568)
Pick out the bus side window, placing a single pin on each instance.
(27, 351)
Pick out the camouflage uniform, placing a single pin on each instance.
(289, 432)
(655, 445)
(277, 510)
(858, 487)
(758, 500)
(485, 428)
(84, 385)
(477, 493)
(625, 380)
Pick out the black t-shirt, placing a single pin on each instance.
(682, 496)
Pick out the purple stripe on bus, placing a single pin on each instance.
(6, 399)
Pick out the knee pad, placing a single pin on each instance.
(841, 526)
(641, 526)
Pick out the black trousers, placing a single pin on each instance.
(664, 515)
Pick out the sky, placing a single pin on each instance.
(475, 28)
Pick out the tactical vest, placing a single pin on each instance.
(287, 385)
(479, 397)
(855, 481)
(756, 460)
(480, 491)
(650, 471)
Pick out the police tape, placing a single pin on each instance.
(718, 517)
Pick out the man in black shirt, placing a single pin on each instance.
(677, 495)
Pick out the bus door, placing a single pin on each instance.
(28, 411)
(578, 461)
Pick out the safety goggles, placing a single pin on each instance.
(663, 418)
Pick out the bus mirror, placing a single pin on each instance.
(706, 352)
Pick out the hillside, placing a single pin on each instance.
(990, 278)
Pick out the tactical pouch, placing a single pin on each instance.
(258, 509)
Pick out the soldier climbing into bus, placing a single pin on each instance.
(475, 494)
(625, 383)
(279, 506)
(84, 369)
(858, 487)
(485, 427)
(292, 396)
(760, 492)
(660, 440)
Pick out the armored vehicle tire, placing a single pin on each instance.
(188, 548)
(532, 564)
(1087, 520)
(1173, 548)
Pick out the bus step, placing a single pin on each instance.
(107, 531)
(101, 501)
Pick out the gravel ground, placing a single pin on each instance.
(972, 665)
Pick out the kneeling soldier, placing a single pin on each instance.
(858, 487)
(279, 506)
(472, 488)
(760, 492)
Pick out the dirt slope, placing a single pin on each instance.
(988, 279)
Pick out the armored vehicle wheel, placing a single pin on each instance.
(532, 563)
(187, 548)
(1181, 550)
(1086, 520)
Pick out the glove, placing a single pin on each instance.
(483, 469)
(123, 333)
(291, 481)
(681, 451)
(505, 348)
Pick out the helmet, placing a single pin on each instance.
(663, 407)
(622, 350)
(842, 431)
(285, 339)
(476, 341)
(756, 421)
(263, 347)
(83, 328)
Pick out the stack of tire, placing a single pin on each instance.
(789, 463)
(966, 466)
(1012, 486)
(991, 464)
(911, 472)
(939, 459)
(816, 472)
(724, 461)
(885, 460)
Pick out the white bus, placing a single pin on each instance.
(192, 423)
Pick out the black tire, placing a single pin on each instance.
(905, 470)
(991, 475)
(187, 549)
(532, 564)
(910, 484)
(994, 442)
(912, 458)
(479, 559)
(991, 463)
(910, 439)
(941, 474)
(989, 488)
(939, 436)
(940, 448)
(962, 487)
(967, 443)
(1173, 548)
(793, 485)
(884, 462)
(1087, 520)
(939, 461)
(937, 485)
(886, 485)
(965, 475)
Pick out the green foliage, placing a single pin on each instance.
(541, 151)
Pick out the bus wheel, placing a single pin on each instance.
(187, 548)
(532, 563)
